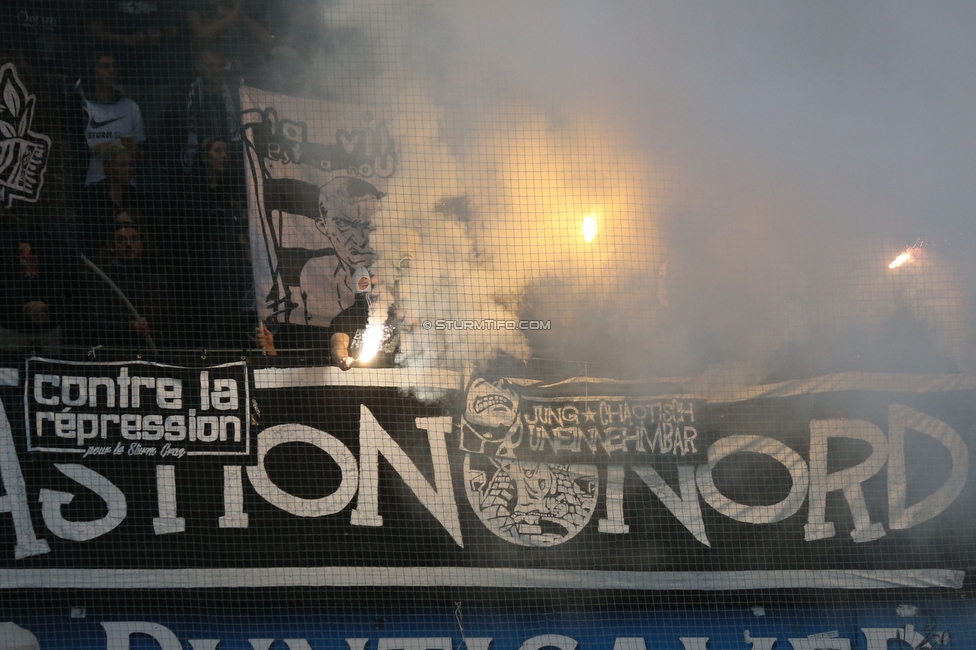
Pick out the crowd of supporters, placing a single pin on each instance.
(139, 239)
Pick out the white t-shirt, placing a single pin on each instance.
(110, 123)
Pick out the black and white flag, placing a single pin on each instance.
(317, 172)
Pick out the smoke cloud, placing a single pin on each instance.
(753, 169)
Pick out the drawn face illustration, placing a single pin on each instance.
(347, 224)
(490, 407)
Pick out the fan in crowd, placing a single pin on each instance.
(30, 299)
(112, 119)
(231, 27)
(214, 232)
(135, 215)
(104, 199)
(126, 302)
(346, 333)
(212, 106)
(148, 38)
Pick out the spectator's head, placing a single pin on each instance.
(105, 71)
(215, 156)
(211, 65)
(119, 165)
(127, 243)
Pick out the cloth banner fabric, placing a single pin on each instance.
(316, 173)
(227, 471)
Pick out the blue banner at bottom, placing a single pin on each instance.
(525, 624)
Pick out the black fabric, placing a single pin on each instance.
(162, 56)
(96, 219)
(99, 317)
(49, 34)
(26, 276)
(209, 244)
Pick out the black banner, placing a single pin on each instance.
(341, 478)
(136, 409)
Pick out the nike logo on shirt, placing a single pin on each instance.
(94, 124)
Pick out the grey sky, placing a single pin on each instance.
(864, 107)
(817, 139)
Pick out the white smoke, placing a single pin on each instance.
(483, 221)
(777, 141)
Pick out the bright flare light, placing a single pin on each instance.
(901, 259)
(590, 228)
(372, 338)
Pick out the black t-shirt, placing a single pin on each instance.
(25, 274)
(146, 64)
(100, 317)
(243, 49)
(353, 321)
(317, 341)
(352, 318)
(96, 221)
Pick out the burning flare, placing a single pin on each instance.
(907, 256)
(372, 338)
(901, 259)
(590, 228)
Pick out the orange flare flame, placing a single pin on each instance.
(371, 342)
(901, 259)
